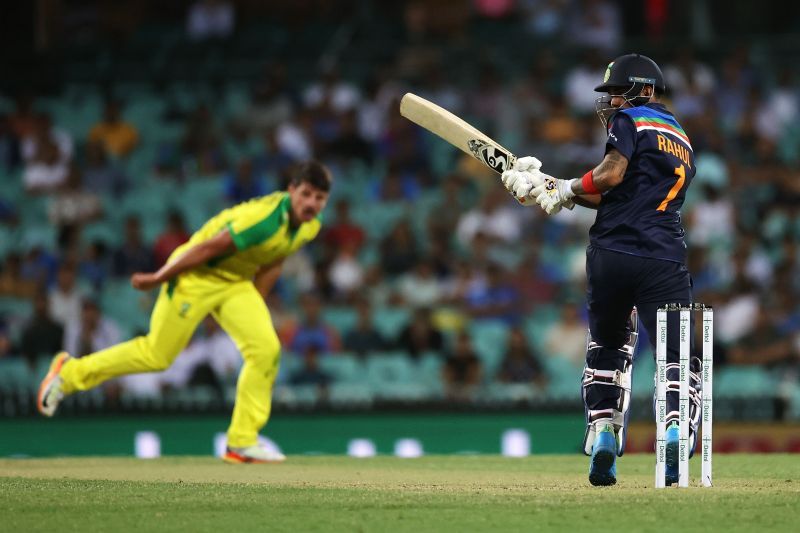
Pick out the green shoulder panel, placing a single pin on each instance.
(262, 230)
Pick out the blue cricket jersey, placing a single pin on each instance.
(641, 216)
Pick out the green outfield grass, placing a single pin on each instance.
(434, 493)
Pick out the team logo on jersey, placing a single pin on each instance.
(608, 72)
(185, 306)
(492, 156)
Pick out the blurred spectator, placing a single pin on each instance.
(420, 287)
(6, 351)
(581, 80)
(364, 338)
(117, 136)
(39, 266)
(208, 19)
(12, 282)
(765, 344)
(202, 143)
(520, 364)
(462, 370)
(89, 331)
(66, 297)
(95, 265)
(173, 236)
(100, 175)
(271, 103)
(399, 252)
(243, 184)
(420, 335)
(346, 274)
(132, 256)
(47, 169)
(495, 218)
(312, 332)
(273, 159)
(348, 145)
(310, 373)
(596, 24)
(73, 205)
(495, 299)
(567, 337)
(343, 231)
(41, 335)
(45, 130)
(9, 145)
(711, 221)
(340, 96)
(544, 18)
(23, 121)
(396, 186)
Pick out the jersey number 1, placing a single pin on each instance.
(673, 192)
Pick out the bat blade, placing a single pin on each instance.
(457, 132)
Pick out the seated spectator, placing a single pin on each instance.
(243, 184)
(95, 265)
(23, 121)
(273, 159)
(462, 370)
(520, 364)
(41, 335)
(399, 252)
(310, 373)
(6, 351)
(311, 332)
(420, 287)
(210, 19)
(364, 338)
(396, 186)
(39, 266)
(173, 236)
(100, 175)
(349, 145)
(493, 218)
(12, 282)
(420, 335)
(567, 338)
(202, 142)
(133, 255)
(764, 344)
(73, 206)
(66, 297)
(89, 331)
(344, 230)
(494, 299)
(46, 170)
(345, 273)
(117, 136)
(45, 130)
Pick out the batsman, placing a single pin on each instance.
(636, 258)
(226, 269)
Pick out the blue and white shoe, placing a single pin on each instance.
(672, 437)
(603, 468)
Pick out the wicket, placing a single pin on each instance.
(707, 394)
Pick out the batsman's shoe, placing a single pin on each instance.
(673, 443)
(50, 392)
(252, 454)
(603, 468)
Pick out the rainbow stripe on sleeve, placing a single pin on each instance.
(660, 123)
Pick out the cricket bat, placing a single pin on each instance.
(459, 133)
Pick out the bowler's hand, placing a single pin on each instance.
(144, 281)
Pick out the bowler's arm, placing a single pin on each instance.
(220, 244)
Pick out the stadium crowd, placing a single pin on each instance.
(421, 255)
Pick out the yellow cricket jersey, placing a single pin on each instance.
(260, 230)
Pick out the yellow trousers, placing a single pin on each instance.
(240, 311)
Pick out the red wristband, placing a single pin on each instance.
(588, 183)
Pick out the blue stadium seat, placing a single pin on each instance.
(14, 375)
(743, 382)
(341, 318)
(390, 320)
(343, 367)
(489, 339)
(350, 395)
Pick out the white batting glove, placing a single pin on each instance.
(553, 194)
(527, 164)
